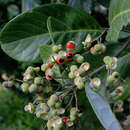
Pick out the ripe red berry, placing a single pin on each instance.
(69, 55)
(70, 45)
(50, 65)
(58, 97)
(60, 61)
(91, 49)
(102, 53)
(47, 76)
(39, 92)
(64, 120)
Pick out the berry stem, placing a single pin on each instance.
(50, 29)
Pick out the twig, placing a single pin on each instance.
(100, 35)
(69, 102)
(76, 100)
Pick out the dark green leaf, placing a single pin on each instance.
(102, 110)
(119, 16)
(22, 37)
(45, 52)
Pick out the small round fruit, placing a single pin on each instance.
(58, 105)
(50, 65)
(44, 67)
(79, 59)
(69, 55)
(93, 51)
(60, 61)
(54, 98)
(48, 76)
(71, 75)
(55, 48)
(116, 75)
(32, 88)
(51, 103)
(73, 67)
(37, 69)
(110, 79)
(38, 80)
(64, 120)
(38, 92)
(98, 47)
(25, 87)
(70, 45)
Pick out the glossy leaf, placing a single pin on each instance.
(45, 52)
(85, 5)
(119, 16)
(22, 37)
(102, 110)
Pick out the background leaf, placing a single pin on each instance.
(85, 5)
(102, 110)
(45, 52)
(119, 16)
(22, 37)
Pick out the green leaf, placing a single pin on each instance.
(45, 52)
(22, 37)
(123, 66)
(119, 16)
(102, 110)
(85, 5)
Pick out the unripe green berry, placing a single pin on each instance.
(73, 111)
(73, 67)
(44, 67)
(54, 98)
(116, 75)
(95, 84)
(28, 77)
(79, 82)
(38, 80)
(98, 47)
(79, 59)
(103, 48)
(119, 91)
(51, 103)
(58, 105)
(84, 67)
(30, 70)
(44, 107)
(37, 69)
(24, 87)
(72, 117)
(110, 79)
(107, 59)
(32, 88)
(55, 48)
(30, 108)
(71, 75)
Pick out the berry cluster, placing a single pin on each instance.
(51, 90)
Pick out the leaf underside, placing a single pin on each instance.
(119, 16)
(102, 110)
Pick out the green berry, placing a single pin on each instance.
(116, 75)
(79, 82)
(44, 107)
(58, 105)
(37, 69)
(54, 98)
(32, 88)
(55, 48)
(119, 91)
(44, 67)
(103, 48)
(84, 67)
(71, 75)
(72, 117)
(30, 108)
(98, 47)
(95, 84)
(38, 80)
(73, 67)
(30, 70)
(28, 77)
(107, 59)
(110, 79)
(24, 87)
(51, 103)
(79, 59)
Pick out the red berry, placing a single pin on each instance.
(102, 53)
(60, 61)
(91, 49)
(39, 92)
(50, 65)
(64, 120)
(70, 45)
(69, 55)
(47, 76)
(58, 97)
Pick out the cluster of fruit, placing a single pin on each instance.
(49, 104)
